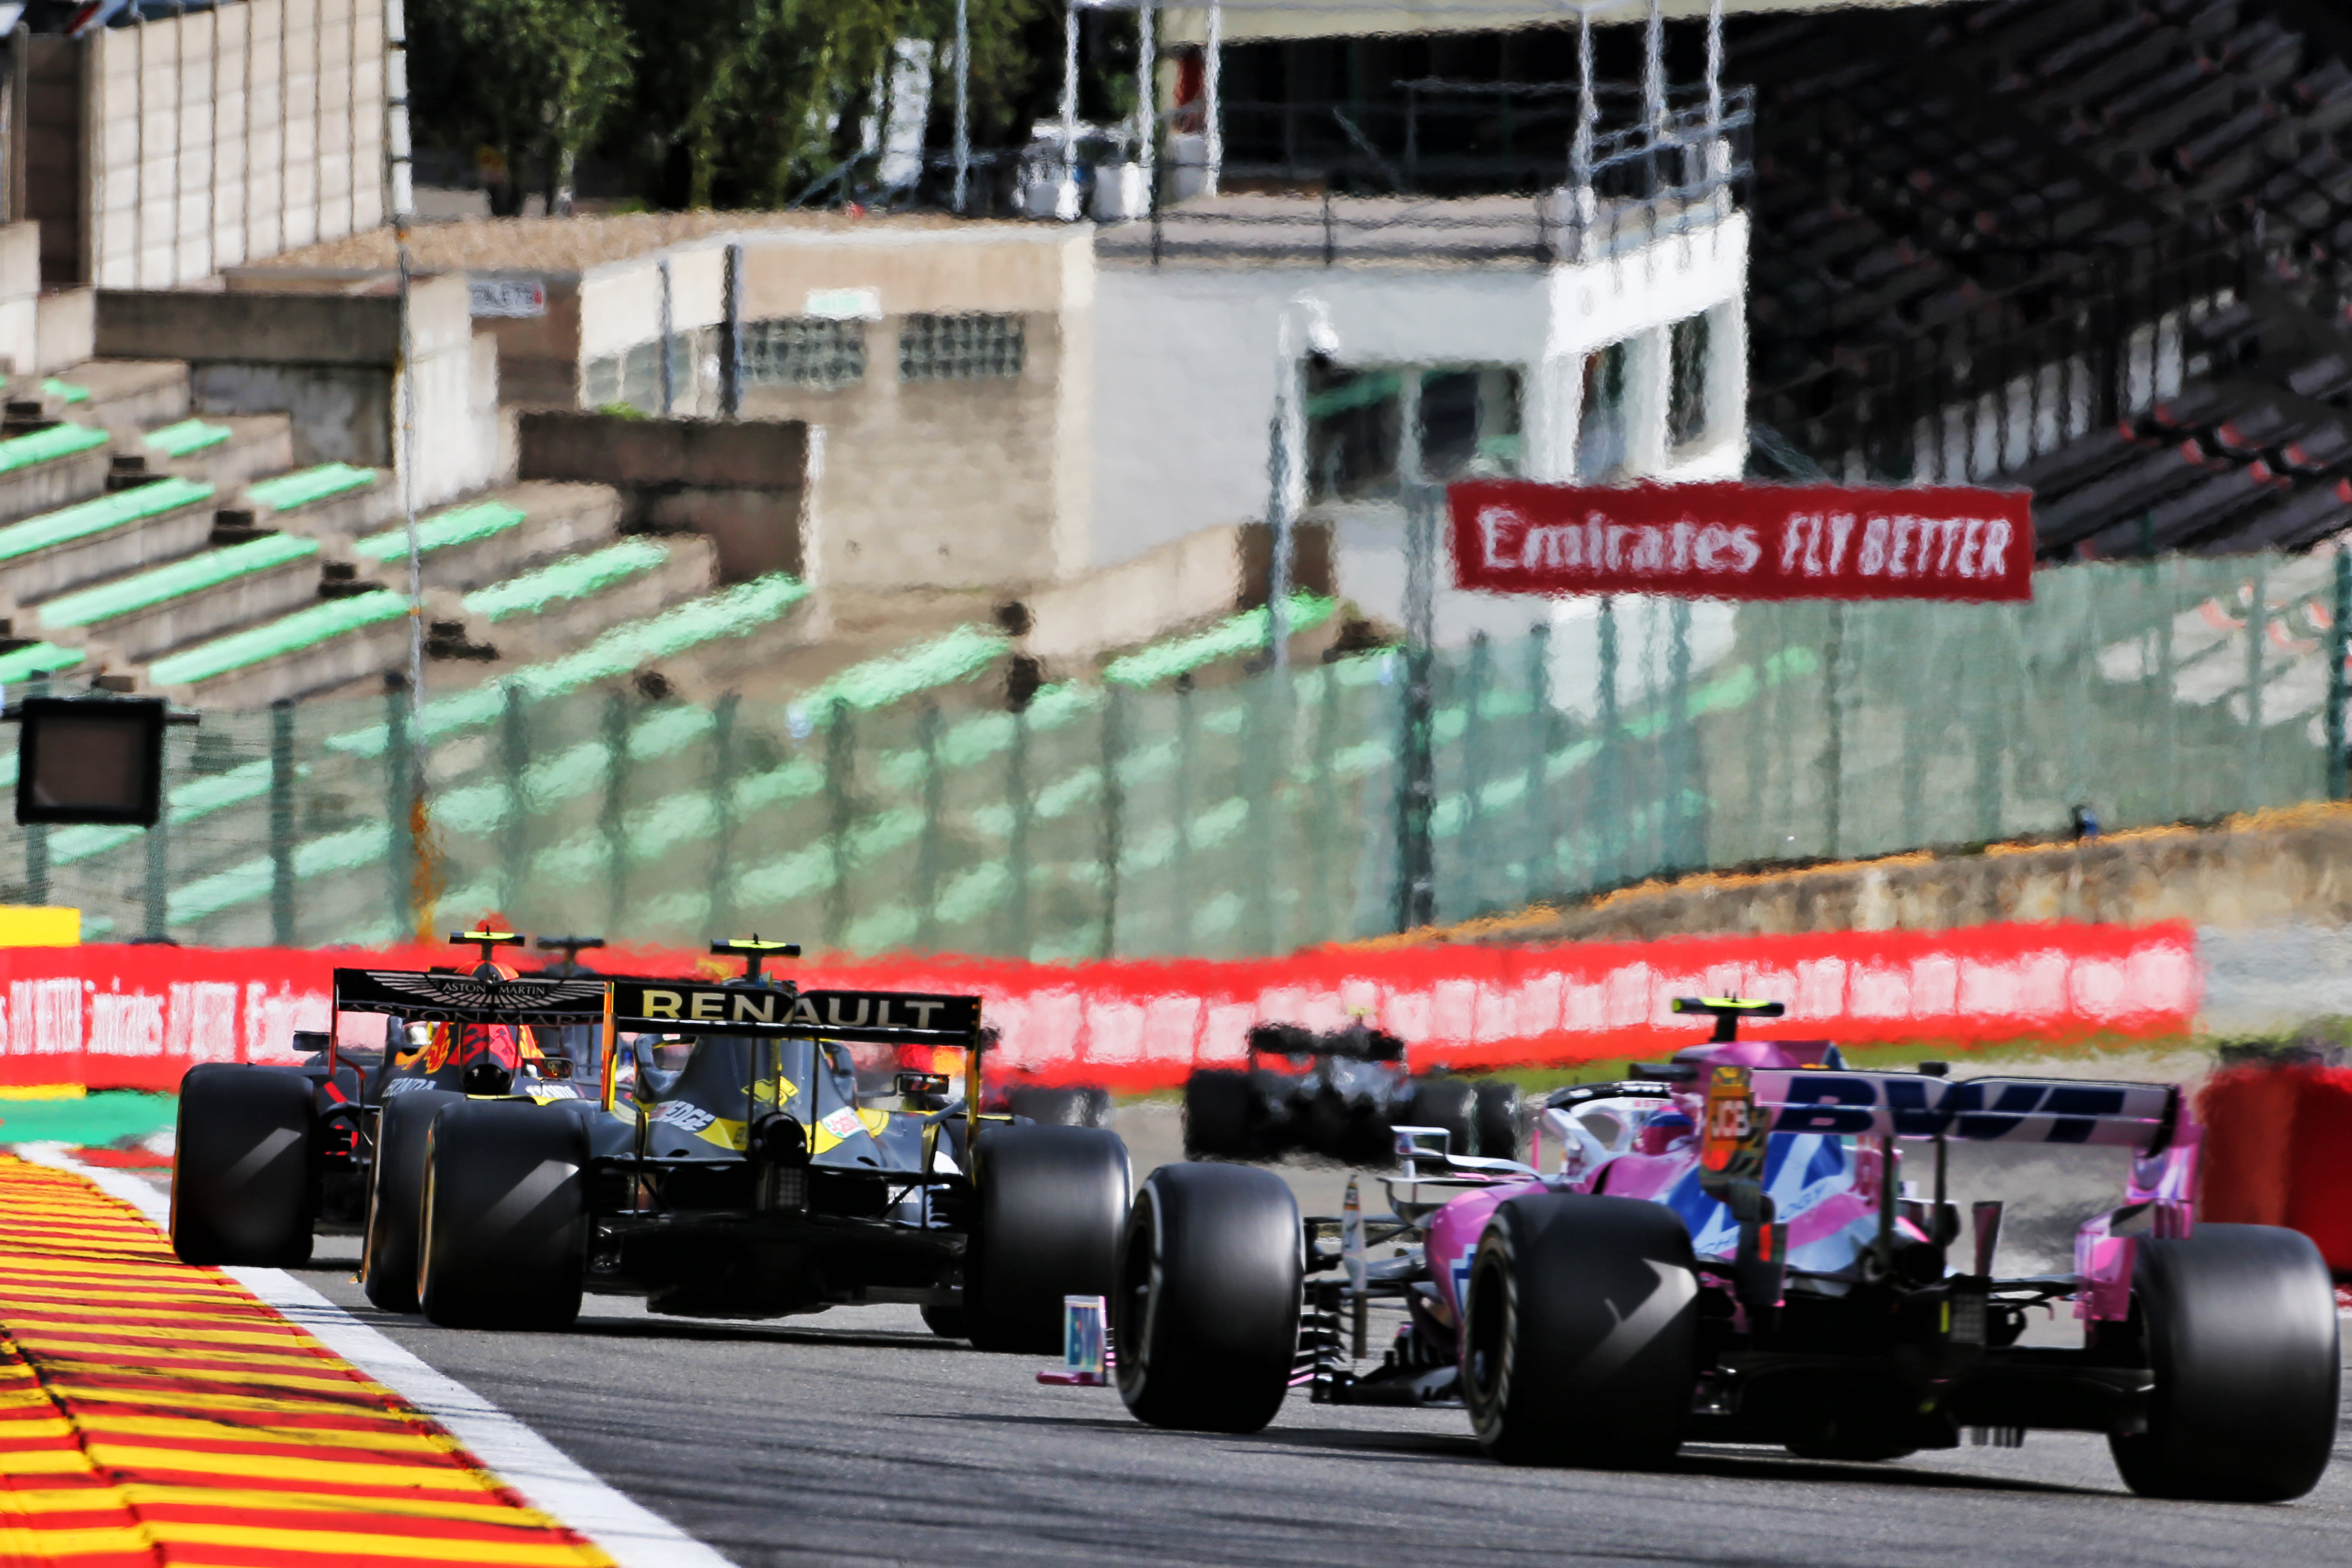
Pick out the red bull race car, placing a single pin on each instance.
(1733, 1248)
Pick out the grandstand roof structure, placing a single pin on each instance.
(1244, 21)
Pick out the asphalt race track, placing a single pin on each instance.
(856, 1438)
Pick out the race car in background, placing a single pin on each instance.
(1338, 1095)
(1728, 1250)
(268, 1156)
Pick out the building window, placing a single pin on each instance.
(1689, 364)
(634, 377)
(1357, 437)
(805, 350)
(1600, 423)
(960, 348)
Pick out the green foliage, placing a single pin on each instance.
(718, 102)
(535, 80)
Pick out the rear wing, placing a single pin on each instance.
(2138, 1116)
(874, 1017)
(1297, 1040)
(422, 997)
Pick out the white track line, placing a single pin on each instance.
(634, 1535)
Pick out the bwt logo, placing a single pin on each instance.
(1928, 1107)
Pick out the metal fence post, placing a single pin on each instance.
(1330, 917)
(1114, 812)
(1685, 789)
(514, 760)
(281, 822)
(1473, 848)
(612, 818)
(1613, 750)
(722, 813)
(1833, 742)
(1416, 891)
(1181, 803)
(158, 888)
(1539, 865)
(2257, 627)
(400, 798)
(837, 763)
(931, 846)
(2340, 610)
(1263, 760)
(1017, 935)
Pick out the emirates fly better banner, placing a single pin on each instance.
(1743, 541)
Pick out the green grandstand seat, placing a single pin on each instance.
(104, 537)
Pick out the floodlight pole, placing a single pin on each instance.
(403, 211)
(1146, 96)
(1212, 135)
(1069, 99)
(963, 102)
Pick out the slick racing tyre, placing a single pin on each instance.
(246, 1172)
(505, 1237)
(1204, 1322)
(1495, 1118)
(1447, 1102)
(2240, 1326)
(1582, 1332)
(396, 1198)
(1220, 1115)
(1047, 1202)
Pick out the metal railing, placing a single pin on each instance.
(1616, 742)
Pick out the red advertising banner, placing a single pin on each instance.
(1743, 541)
(137, 1017)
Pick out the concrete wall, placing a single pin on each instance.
(739, 484)
(157, 154)
(1184, 383)
(949, 484)
(331, 361)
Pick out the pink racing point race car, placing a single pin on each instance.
(1736, 1247)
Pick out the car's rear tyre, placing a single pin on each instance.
(1205, 1320)
(2240, 1326)
(1447, 1102)
(1581, 1345)
(948, 1322)
(506, 1220)
(1496, 1117)
(245, 1166)
(1220, 1115)
(1047, 1204)
(396, 1198)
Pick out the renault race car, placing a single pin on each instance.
(1337, 1094)
(268, 1156)
(1728, 1251)
(751, 1182)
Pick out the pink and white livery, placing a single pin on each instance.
(1736, 1247)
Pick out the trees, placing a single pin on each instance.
(714, 102)
(535, 80)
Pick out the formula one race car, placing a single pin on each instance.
(1337, 1095)
(1728, 1252)
(268, 1156)
(751, 1182)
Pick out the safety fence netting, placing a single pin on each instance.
(1242, 811)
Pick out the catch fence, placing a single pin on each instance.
(1616, 741)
